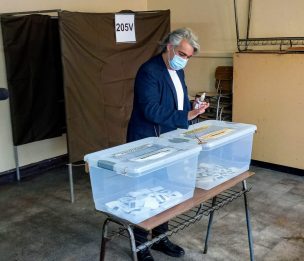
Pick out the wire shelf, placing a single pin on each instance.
(281, 43)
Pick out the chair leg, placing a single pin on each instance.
(221, 112)
(218, 107)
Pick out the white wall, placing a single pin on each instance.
(37, 151)
(273, 18)
(212, 20)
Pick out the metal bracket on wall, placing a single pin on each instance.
(281, 43)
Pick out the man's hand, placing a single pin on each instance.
(194, 113)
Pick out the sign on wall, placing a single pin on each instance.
(125, 28)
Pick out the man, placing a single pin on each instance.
(160, 105)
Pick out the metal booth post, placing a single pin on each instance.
(71, 182)
(17, 163)
(71, 179)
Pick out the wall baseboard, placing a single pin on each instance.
(276, 167)
(48, 164)
(33, 169)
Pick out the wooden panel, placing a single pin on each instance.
(268, 91)
(200, 196)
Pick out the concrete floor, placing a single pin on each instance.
(37, 222)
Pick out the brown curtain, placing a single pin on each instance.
(99, 75)
(34, 75)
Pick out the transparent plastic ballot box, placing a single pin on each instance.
(226, 149)
(140, 179)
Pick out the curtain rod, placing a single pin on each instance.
(32, 12)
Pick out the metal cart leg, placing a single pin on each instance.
(209, 227)
(132, 242)
(71, 182)
(104, 239)
(250, 241)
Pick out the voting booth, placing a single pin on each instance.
(140, 179)
(226, 149)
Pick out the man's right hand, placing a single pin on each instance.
(194, 113)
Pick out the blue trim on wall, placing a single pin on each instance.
(45, 165)
(33, 169)
(276, 167)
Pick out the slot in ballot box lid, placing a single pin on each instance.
(143, 156)
(211, 134)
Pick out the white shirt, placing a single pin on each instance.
(178, 88)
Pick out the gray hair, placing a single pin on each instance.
(176, 36)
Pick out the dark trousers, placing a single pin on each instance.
(141, 234)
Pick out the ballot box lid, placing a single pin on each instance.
(211, 134)
(143, 156)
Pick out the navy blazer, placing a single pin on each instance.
(155, 102)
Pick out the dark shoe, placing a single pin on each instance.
(168, 248)
(144, 255)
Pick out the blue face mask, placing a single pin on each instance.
(177, 62)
